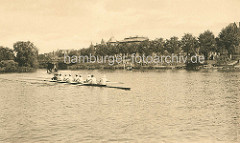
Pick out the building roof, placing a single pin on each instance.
(112, 40)
(134, 39)
(128, 40)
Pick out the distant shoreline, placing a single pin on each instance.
(148, 67)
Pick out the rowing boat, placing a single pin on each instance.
(95, 85)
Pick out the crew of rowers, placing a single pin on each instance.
(79, 79)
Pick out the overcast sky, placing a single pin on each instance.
(74, 24)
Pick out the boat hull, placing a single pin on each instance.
(94, 85)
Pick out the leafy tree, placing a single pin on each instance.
(220, 47)
(207, 43)
(26, 54)
(73, 53)
(59, 53)
(122, 48)
(173, 45)
(112, 49)
(229, 38)
(189, 44)
(101, 50)
(6, 53)
(158, 46)
(144, 48)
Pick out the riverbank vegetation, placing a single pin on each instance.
(22, 58)
(222, 48)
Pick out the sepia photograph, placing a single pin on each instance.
(119, 71)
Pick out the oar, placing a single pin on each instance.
(36, 79)
(115, 82)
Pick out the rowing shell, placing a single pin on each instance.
(95, 85)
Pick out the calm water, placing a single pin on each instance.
(162, 107)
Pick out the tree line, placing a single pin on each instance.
(24, 55)
(226, 43)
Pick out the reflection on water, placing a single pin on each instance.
(163, 106)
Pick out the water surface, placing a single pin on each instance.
(162, 107)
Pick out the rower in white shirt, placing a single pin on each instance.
(70, 78)
(80, 79)
(93, 80)
(75, 79)
(88, 80)
(65, 77)
(103, 80)
(60, 77)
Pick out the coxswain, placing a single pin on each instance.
(55, 77)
